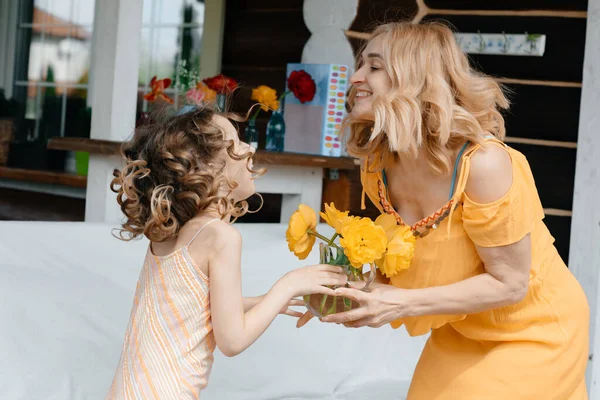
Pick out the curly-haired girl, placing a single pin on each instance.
(186, 178)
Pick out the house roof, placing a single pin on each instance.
(58, 26)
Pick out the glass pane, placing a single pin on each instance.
(78, 116)
(40, 13)
(173, 12)
(180, 11)
(190, 47)
(145, 59)
(50, 104)
(164, 45)
(39, 52)
(72, 59)
(64, 59)
(83, 12)
(148, 15)
(60, 12)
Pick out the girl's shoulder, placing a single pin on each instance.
(215, 236)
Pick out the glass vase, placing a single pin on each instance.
(276, 130)
(321, 305)
(251, 133)
(221, 102)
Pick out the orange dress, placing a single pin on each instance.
(535, 349)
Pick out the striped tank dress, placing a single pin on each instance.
(168, 348)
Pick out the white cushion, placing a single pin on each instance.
(65, 296)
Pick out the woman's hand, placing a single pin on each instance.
(381, 305)
(313, 279)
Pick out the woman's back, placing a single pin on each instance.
(169, 343)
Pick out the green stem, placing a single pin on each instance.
(322, 305)
(323, 238)
(284, 94)
(330, 243)
(256, 113)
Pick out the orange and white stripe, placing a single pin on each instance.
(169, 343)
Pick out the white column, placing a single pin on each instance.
(584, 258)
(328, 20)
(298, 185)
(114, 81)
(212, 38)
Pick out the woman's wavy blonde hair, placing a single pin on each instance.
(437, 101)
(171, 174)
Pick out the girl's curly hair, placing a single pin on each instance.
(170, 174)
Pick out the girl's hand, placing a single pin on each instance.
(250, 302)
(313, 279)
(292, 313)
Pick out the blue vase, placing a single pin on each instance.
(251, 133)
(276, 130)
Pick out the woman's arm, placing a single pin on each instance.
(235, 329)
(504, 282)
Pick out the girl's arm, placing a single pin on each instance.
(234, 329)
(250, 302)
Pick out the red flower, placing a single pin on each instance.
(157, 90)
(302, 85)
(221, 84)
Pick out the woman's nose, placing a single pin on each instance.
(357, 77)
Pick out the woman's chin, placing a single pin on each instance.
(362, 112)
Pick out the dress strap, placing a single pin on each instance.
(201, 229)
(454, 172)
(464, 160)
(456, 163)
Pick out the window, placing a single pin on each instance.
(171, 32)
(52, 65)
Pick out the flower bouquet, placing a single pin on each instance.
(197, 92)
(222, 85)
(381, 244)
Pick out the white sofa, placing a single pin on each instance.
(65, 297)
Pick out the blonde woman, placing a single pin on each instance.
(507, 318)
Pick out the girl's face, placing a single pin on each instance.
(370, 80)
(236, 170)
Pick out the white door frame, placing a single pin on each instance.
(584, 258)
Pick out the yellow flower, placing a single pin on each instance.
(363, 241)
(266, 96)
(336, 218)
(300, 242)
(400, 248)
(209, 94)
